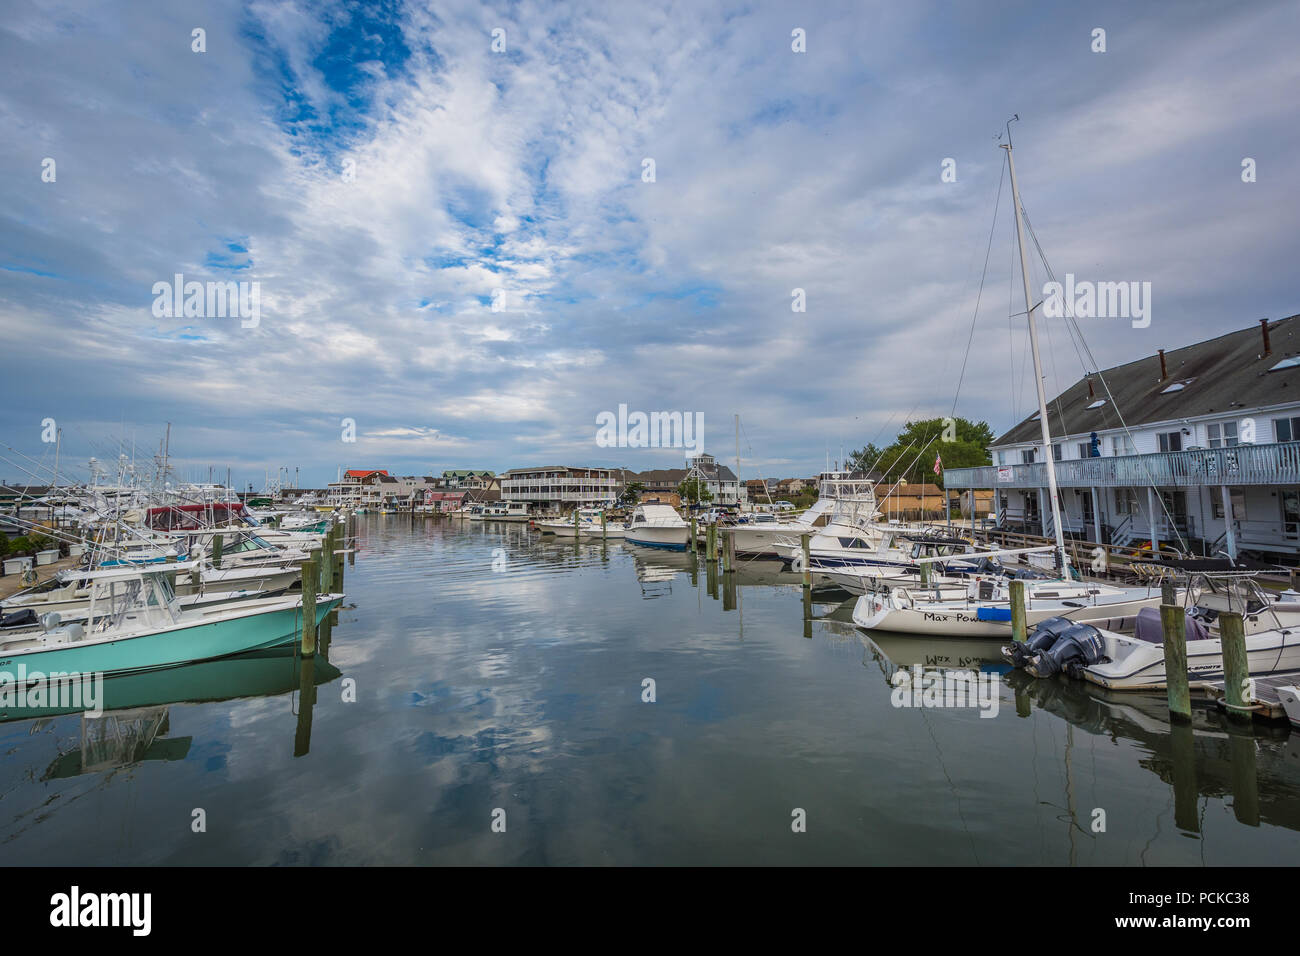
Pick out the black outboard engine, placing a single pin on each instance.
(1040, 639)
(1080, 646)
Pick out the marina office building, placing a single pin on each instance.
(1209, 461)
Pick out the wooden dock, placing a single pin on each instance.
(1267, 703)
(11, 584)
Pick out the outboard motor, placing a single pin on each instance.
(1080, 646)
(1040, 639)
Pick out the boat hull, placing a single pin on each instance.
(964, 621)
(1143, 668)
(181, 644)
(671, 539)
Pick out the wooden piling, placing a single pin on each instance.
(309, 572)
(350, 536)
(604, 525)
(217, 544)
(340, 543)
(711, 543)
(1019, 621)
(695, 544)
(1236, 667)
(326, 565)
(1174, 624)
(925, 574)
(728, 553)
(805, 540)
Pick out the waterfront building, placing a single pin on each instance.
(1197, 447)
(561, 487)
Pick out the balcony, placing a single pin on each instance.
(1273, 464)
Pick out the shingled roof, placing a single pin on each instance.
(1220, 375)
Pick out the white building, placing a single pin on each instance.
(561, 487)
(1206, 456)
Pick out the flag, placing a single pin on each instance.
(938, 465)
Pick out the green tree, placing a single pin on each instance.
(694, 491)
(632, 493)
(960, 442)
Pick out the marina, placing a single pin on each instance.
(583, 435)
(525, 692)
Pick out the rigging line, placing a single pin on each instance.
(980, 293)
(1071, 318)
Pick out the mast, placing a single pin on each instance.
(737, 460)
(1048, 458)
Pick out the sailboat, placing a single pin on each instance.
(985, 608)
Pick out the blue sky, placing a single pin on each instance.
(521, 171)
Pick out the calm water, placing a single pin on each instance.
(521, 689)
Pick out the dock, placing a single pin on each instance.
(1267, 703)
(11, 584)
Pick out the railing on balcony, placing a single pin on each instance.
(1272, 464)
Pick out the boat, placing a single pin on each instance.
(657, 526)
(136, 623)
(1136, 660)
(1290, 698)
(981, 607)
(588, 525)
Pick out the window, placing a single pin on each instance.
(1085, 449)
(1287, 429)
(1170, 441)
(1122, 445)
(1057, 452)
(1238, 497)
(1222, 435)
(1126, 501)
(1027, 456)
(1002, 458)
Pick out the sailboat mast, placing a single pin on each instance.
(1048, 458)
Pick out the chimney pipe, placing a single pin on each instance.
(1263, 327)
(1164, 372)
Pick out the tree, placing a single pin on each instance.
(959, 442)
(693, 490)
(632, 493)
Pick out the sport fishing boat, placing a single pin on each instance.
(137, 623)
(1136, 660)
(657, 526)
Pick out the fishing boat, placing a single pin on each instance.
(1290, 698)
(657, 526)
(137, 623)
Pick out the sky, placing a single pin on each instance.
(459, 248)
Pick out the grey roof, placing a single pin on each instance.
(1223, 375)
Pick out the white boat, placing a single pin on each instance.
(587, 526)
(981, 608)
(762, 531)
(1290, 697)
(1136, 661)
(657, 526)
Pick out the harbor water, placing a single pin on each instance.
(490, 695)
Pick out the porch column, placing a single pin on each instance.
(1227, 521)
(1151, 511)
(1096, 518)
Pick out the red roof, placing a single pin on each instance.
(365, 473)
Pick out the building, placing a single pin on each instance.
(718, 480)
(1206, 456)
(911, 501)
(471, 479)
(362, 488)
(561, 487)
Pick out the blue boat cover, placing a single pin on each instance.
(993, 614)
